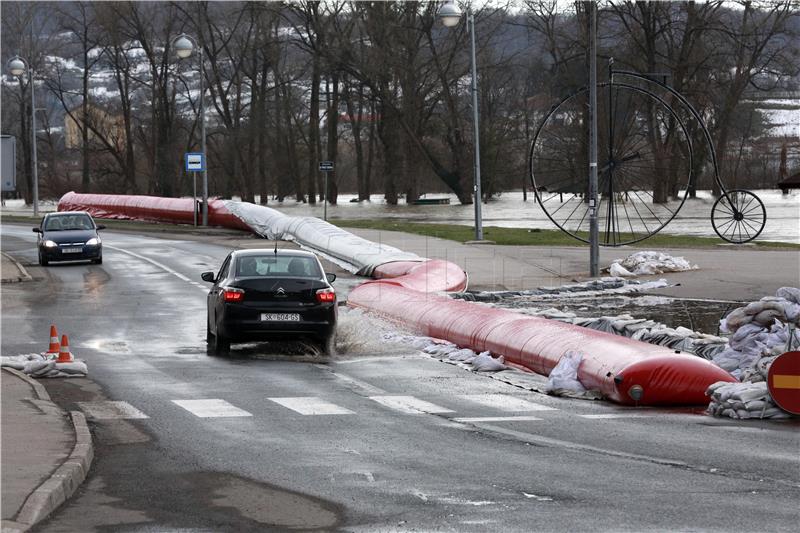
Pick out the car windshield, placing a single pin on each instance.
(274, 266)
(68, 222)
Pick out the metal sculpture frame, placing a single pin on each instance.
(737, 216)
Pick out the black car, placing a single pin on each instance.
(266, 294)
(69, 236)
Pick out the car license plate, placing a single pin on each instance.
(71, 250)
(280, 317)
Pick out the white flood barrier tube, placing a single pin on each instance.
(349, 251)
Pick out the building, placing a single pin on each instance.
(101, 124)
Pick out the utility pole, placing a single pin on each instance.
(478, 196)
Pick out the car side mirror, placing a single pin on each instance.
(100, 226)
(208, 276)
(330, 276)
(37, 230)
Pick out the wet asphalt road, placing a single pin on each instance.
(372, 463)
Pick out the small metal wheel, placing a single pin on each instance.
(738, 216)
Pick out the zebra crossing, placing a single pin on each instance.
(508, 408)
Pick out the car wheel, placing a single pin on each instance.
(98, 261)
(209, 340)
(222, 345)
(328, 345)
(42, 259)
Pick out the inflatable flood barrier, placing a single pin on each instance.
(624, 370)
(148, 208)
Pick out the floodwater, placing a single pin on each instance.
(510, 211)
(702, 316)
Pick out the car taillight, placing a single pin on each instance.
(326, 296)
(234, 295)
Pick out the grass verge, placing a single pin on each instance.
(539, 237)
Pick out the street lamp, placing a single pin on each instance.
(17, 67)
(184, 46)
(450, 15)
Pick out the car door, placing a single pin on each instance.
(214, 299)
(40, 235)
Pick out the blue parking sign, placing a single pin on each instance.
(195, 161)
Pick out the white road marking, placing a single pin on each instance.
(369, 359)
(211, 408)
(454, 500)
(311, 405)
(505, 402)
(409, 404)
(606, 416)
(355, 382)
(538, 498)
(110, 410)
(497, 419)
(151, 261)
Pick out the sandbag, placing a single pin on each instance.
(73, 367)
(564, 375)
(484, 362)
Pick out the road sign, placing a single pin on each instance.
(326, 166)
(9, 163)
(195, 161)
(783, 382)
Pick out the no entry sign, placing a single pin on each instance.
(783, 382)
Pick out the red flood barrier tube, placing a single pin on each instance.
(624, 370)
(433, 275)
(148, 208)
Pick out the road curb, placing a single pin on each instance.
(62, 483)
(23, 273)
(41, 392)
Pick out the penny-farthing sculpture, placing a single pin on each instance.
(645, 164)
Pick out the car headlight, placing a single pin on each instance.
(94, 241)
(50, 244)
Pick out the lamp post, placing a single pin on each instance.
(17, 67)
(450, 15)
(594, 241)
(184, 46)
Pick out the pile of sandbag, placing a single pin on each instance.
(606, 285)
(482, 362)
(743, 401)
(40, 366)
(641, 329)
(647, 264)
(761, 331)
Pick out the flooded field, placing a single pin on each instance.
(510, 211)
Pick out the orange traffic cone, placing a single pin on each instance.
(54, 348)
(64, 356)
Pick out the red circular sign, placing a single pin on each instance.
(783, 382)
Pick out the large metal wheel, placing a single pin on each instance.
(644, 164)
(738, 216)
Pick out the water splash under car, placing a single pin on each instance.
(263, 294)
